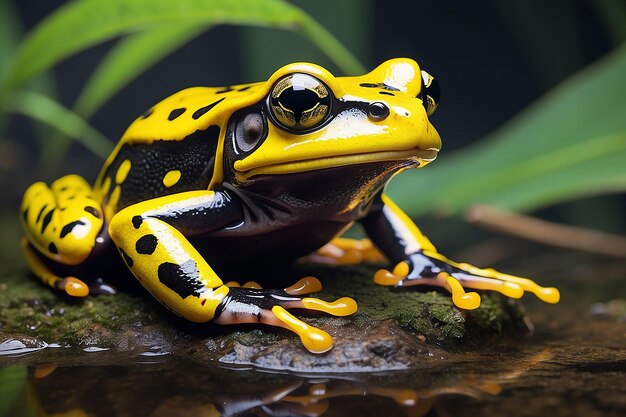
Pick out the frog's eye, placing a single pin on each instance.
(430, 93)
(250, 129)
(299, 103)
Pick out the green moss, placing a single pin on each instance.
(430, 314)
(28, 307)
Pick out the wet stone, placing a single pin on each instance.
(393, 330)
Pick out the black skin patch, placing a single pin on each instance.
(127, 259)
(387, 93)
(194, 156)
(175, 113)
(69, 227)
(137, 220)
(25, 215)
(239, 301)
(41, 212)
(244, 88)
(93, 211)
(146, 245)
(52, 248)
(46, 221)
(183, 279)
(202, 111)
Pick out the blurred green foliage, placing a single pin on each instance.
(569, 144)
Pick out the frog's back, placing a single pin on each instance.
(171, 148)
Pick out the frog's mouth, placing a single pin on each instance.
(417, 156)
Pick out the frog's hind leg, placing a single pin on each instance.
(346, 251)
(62, 223)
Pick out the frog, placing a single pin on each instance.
(270, 171)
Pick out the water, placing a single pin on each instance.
(573, 365)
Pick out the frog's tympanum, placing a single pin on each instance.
(275, 170)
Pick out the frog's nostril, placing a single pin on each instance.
(378, 111)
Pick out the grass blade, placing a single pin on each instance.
(97, 20)
(129, 58)
(50, 112)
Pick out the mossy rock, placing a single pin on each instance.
(393, 329)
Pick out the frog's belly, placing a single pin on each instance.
(287, 243)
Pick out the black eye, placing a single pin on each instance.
(249, 131)
(299, 102)
(430, 93)
(378, 111)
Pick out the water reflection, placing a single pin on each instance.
(174, 387)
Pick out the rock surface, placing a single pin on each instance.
(393, 330)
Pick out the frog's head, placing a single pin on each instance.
(309, 120)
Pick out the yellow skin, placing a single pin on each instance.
(210, 177)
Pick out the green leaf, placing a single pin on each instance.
(130, 57)
(10, 33)
(50, 112)
(569, 144)
(81, 24)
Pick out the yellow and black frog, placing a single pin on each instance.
(272, 170)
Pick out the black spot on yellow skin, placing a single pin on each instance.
(244, 88)
(41, 212)
(127, 259)
(52, 248)
(137, 220)
(69, 227)
(202, 111)
(93, 211)
(225, 90)
(386, 93)
(183, 279)
(46, 220)
(25, 215)
(146, 244)
(175, 113)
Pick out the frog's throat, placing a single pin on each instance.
(422, 157)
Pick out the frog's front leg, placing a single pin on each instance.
(152, 236)
(419, 263)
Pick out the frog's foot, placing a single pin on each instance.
(70, 285)
(344, 251)
(253, 305)
(432, 268)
